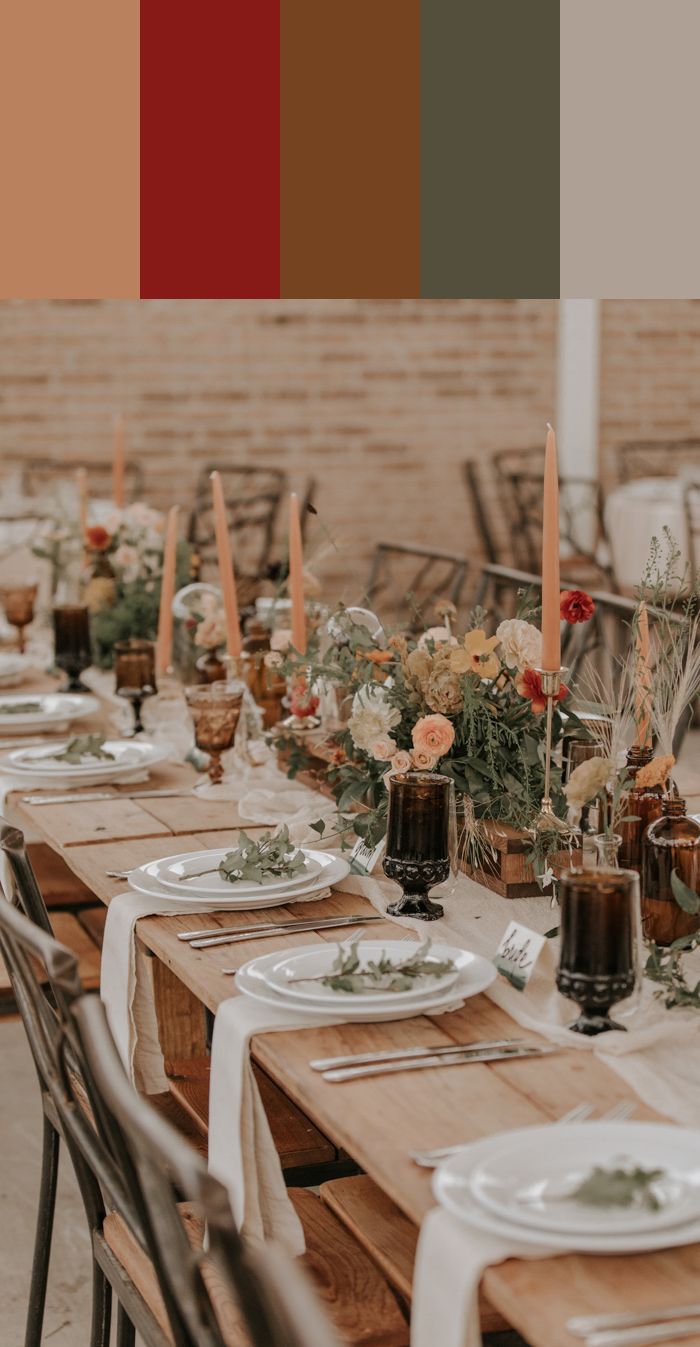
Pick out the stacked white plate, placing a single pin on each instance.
(38, 766)
(52, 711)
(13, 668)
(292, 980)
(520, 1185)
(193, 878)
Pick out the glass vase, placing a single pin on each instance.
(672, 843)
(642, 806)
(607, 848)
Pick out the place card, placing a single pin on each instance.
(517, 954)
(363, 860)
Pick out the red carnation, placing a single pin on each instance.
(575, 605)
(529, 684)
(97, 538)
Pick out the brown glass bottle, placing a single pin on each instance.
(672, 843)
(643, 806)
(266, 685)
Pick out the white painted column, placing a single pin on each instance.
(578, 378)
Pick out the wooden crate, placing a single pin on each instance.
(510, 874)
(315, 774)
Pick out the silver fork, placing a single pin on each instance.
(618, 1113)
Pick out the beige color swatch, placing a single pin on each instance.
(69, 148)
(630, 118)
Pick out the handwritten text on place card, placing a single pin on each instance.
(517, 954)
(363, 859)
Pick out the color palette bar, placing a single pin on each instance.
(293, 148)
(210, 170)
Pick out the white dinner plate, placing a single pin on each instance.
(317, 961)
(527, 1181)
(452, 1185)
(333, 873)
(35, 765)
(475, 976)
(213, 886)
(55, 708)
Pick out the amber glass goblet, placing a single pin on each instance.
(215, 709)
(599, 960)
(18, 602)
(135, 673)
(418, 840)
(71, 626)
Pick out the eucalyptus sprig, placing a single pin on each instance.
(619, 1188)
(84, 746)
(19, 708)
(271, 856)
(348, 974)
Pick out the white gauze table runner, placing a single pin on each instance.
(658, 1058)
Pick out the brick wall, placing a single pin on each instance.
(650, 373)
(379, 400)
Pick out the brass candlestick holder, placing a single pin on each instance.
(547, 820)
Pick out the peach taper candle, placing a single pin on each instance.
(118, 463)
(296, 577)
(551, 615)
(226, 572)
(164, 643)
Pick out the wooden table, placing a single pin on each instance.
(377, 1121)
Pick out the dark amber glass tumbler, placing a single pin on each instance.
(600, 953)
(418, 840)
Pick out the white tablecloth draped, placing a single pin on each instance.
(658, 1058)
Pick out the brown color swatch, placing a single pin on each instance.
(350, 148)
(69, 113)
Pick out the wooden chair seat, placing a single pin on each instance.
(388, 1237)
(356, 1297)
(299, 1144)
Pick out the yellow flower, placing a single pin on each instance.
(475, 655)
(655, 773)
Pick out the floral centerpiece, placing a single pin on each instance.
(469, 705)
(121, 576)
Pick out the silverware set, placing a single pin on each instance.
(69, 797)
(337, 1069)
(579, 1113)
(637, 1328)
(218, 935)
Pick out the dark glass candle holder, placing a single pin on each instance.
(418, 840)
(135, 673)
(600, 943)
(72, 653)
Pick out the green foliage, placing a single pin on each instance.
(133, 612)
(686, 897)
(665, 966)
(83, 746)
(19, 708)
(382, 974)
(620, 1188)
(271, 856)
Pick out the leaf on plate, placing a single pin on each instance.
(619, 1188)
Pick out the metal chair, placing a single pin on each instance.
(582, 530)
(472, 477)
(212, 1292)
(40, 476)
(655, 458)
(410, 580)
(691, 506)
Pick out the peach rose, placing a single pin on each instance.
(422, 760)
(401, 761)
(434, 735)
(383, 748)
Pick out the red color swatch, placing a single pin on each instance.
(210, 155)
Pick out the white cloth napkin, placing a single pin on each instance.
(450, 1261)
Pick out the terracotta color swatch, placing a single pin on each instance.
(210, 149)
(490, 148)
(69, 128)
(350, 89)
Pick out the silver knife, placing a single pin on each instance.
(645, 1336)
(397, 1054)
(292, 924)
(450, 1059)
(278, 930)
(583, 1325)
(105, 795)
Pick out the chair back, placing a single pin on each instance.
(480, 512)
(655, 458)
(691, 506)
(253, 497)
(262, 1288)
(581, 526)
(410, 580)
